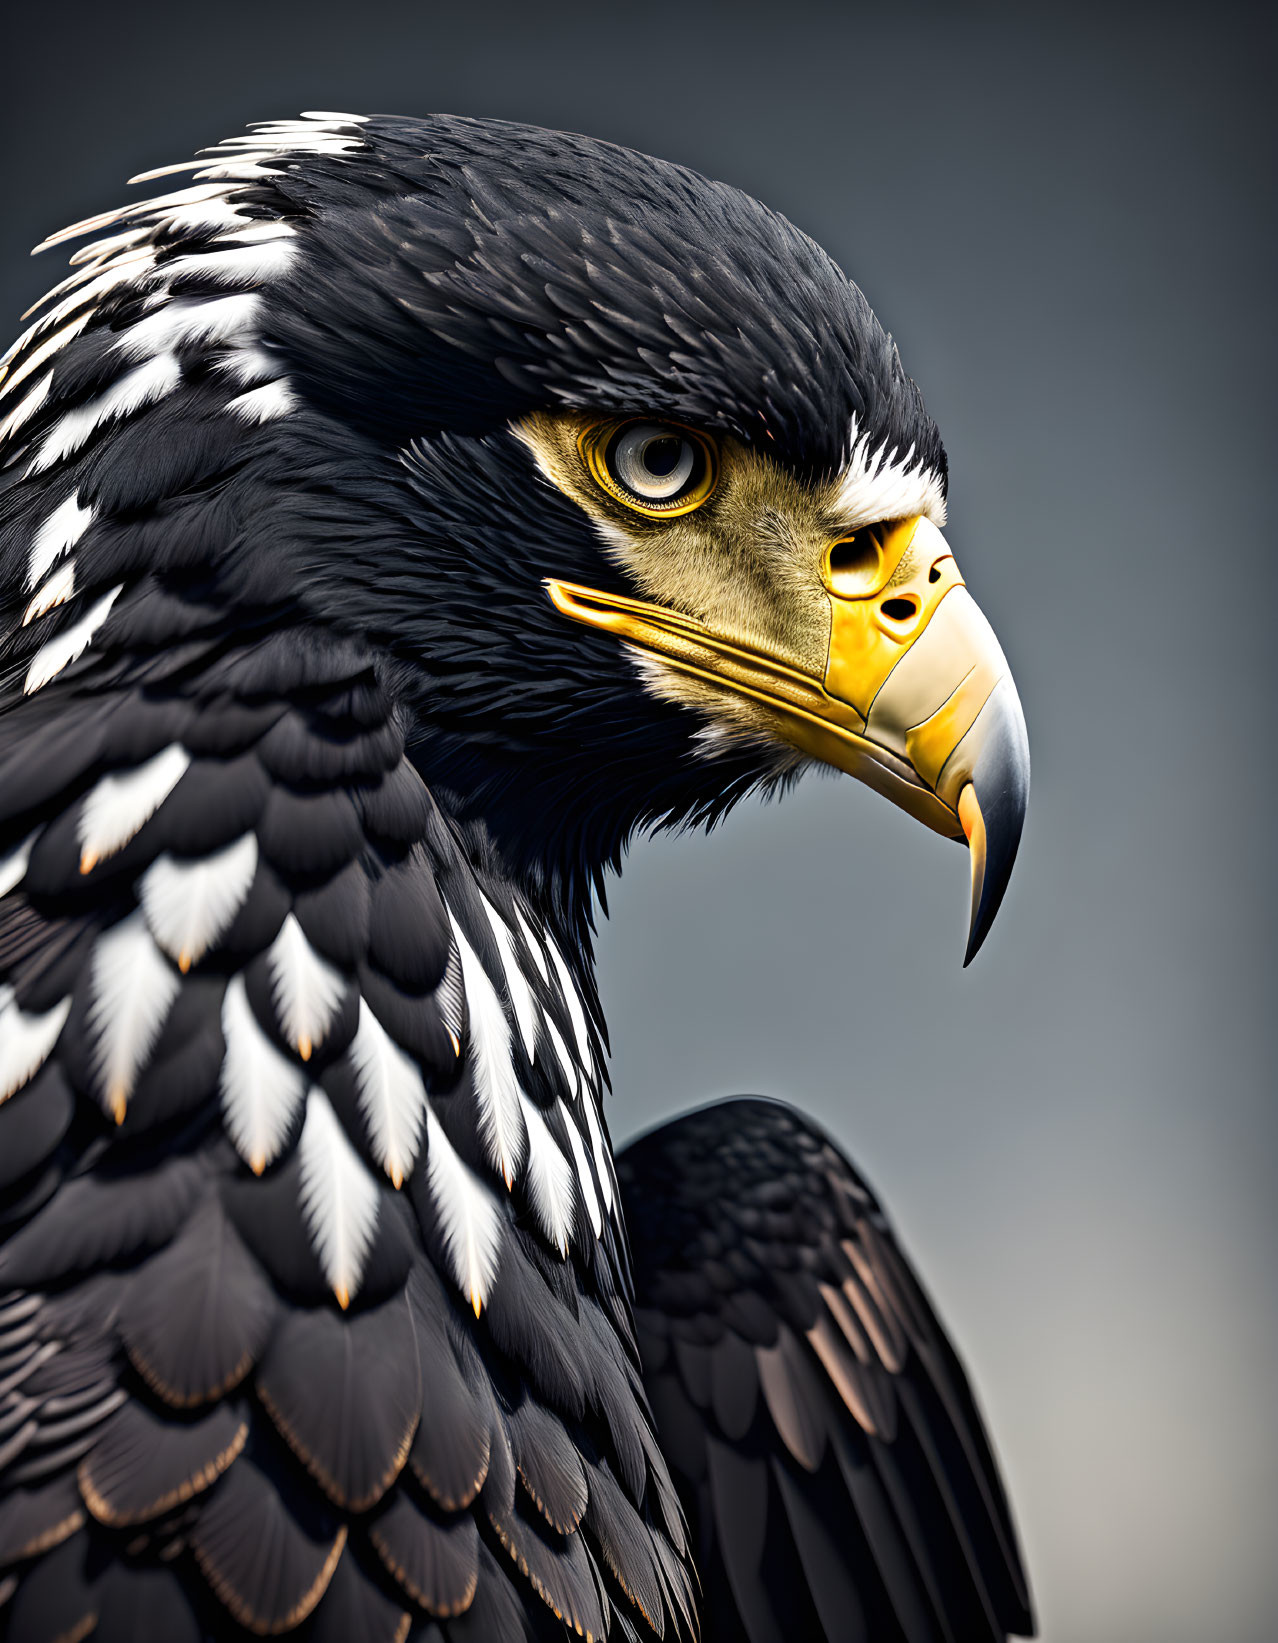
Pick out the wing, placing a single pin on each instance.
(312, 1288)
(821, 1431)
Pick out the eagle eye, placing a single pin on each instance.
(655, 468)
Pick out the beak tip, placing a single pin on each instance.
(991, 809)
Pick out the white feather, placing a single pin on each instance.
(214, 211)
(86, 288)
(246, 265)
(13, 864)
(42, 355)
(132, 989)
(248, 363)
(180, 323)
(501, 1123)
(142, 386)
(190, 904)
(306, 988)
(572, 1073)
(521, 998)
(265, 404)
(57, 535)
(583, 1171)
(261, 1090)
(26, 407)
(56, 591)
(235, 172)
(392, 1096)
(119, 805)
(534, 944)
(100, 252)
(468, 1217)
(72, 642)
(339, 1198)
(549, 1179)
(576, 1015)
(155, 173)
(255, 232)
(26, 1040)
(603, 1165)
(135, 209)
(280, 138)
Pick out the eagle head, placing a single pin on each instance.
(613, 467)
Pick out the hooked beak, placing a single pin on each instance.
(916, 698)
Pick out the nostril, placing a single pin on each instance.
(899, 610)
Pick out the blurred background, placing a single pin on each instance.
(1066, 219)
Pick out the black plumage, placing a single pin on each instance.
(316, 1305)
(819, 1426)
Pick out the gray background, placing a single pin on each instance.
(1065, 222)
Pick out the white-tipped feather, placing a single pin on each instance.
(306, 988)
(26, 1040)
(72, 642)
(603, 1165)
(132, 989)
(57, 535)
(468, 1217)
(549, 1179)
(583, 1172)
(143, 385)
(190, 904)
(120, 805)
(501, 1123)
(261, 1089)
(13, 864)
(265, 404)
(56, 591)
(339, 1198)
(521, 998)
(392, 1096)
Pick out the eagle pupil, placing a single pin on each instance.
(661, 456)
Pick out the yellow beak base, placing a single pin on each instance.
(916, 699)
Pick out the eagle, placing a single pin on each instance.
(397, 516)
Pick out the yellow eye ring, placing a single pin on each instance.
(624, 454)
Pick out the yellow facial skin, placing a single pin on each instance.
(860, 648)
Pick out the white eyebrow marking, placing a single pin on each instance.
(879, 484)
